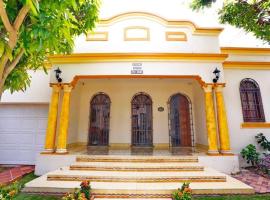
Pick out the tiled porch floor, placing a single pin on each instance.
(96, 150)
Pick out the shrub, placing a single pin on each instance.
(250, 154)
(262, 141)
(9, 192)
(264, 165)
(183, 193)
(84, 193)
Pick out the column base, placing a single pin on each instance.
(61, 151)
(226, 152)
(213, 153)
(47, 151)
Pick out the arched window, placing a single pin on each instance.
(99, 120)
(251, 100)
(141, 109)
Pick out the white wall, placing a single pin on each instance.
(240, 137)
(202, 69)
(121, 92)
(199, 115)
(38, 92)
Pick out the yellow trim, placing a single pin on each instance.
(127, 38)
(246, 65)
(119, 146)
(245, 50)
(91, 36)
(255, 125)
(174, 36)
(120, 57)
(168, 23)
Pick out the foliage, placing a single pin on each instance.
(183, 193)
(9, 192)
(252, 16)
(30, 30)
(250, 154)
(84, 193)
(264, 164)
(262, 141)
(235, 197)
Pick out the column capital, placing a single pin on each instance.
(208, 88)
(56, 88)
(219, 87)
(67, 88)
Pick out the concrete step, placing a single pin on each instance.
(141, 159)
(138, 190)
(140, 167)
(207, 175)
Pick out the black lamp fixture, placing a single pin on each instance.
(217, 75)
(57, 75)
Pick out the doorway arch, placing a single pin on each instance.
(142, 120)
(180, 121)
(99, 120)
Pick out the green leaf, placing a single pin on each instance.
(8, 51)
(2, 47)
(33, 6)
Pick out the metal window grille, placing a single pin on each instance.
(142, 120)
(251, 101)
(99, 120)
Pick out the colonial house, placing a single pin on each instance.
(144, 81)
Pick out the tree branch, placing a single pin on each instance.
(13, 64)
(20, 17)
(5, 18)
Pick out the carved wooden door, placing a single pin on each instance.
(99, 120)
(180, 127)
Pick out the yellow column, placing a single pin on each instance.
(52, 120)
(224, 136)
(210, 121)
(64, 121)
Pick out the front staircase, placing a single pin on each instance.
(137, 177)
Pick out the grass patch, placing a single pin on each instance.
(235, 197)
(31, 176)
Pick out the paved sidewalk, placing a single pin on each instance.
(15, 173)
(258, 182)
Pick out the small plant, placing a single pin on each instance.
(183, 193)
(84, 193)
(264, 165)
(250, 154)
(9, 192)
(262, 141)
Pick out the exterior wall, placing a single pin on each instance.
(121, 92)
(199, 115)
(170, 68)
(240, 137)
(38, 92)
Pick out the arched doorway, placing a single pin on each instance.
(142, 120)
(99, 120)
(180, 121)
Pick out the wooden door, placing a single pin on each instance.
(99, 120)
(180, 126)
(141, 106)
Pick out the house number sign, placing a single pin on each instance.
(136, 68)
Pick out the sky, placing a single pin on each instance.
(180, 10)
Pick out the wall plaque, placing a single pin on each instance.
(136, 68)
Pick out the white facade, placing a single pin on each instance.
(175, 55)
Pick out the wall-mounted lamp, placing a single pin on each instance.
(217, 75)
(57, 75)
